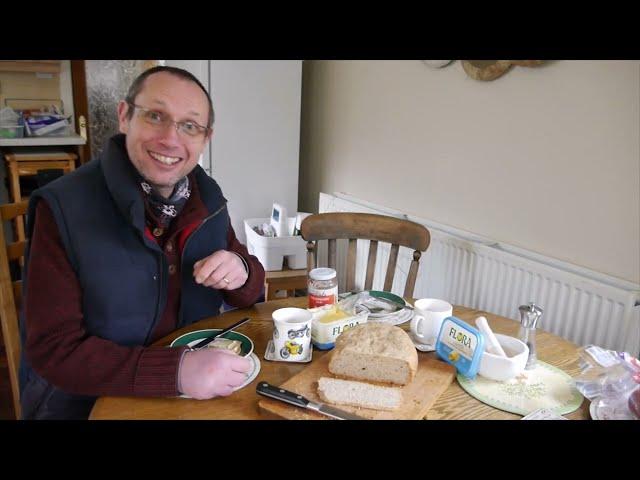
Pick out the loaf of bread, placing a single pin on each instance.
(377, 352)
(359, 394)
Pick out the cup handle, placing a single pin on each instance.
(415, 327)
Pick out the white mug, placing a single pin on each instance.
(429, 313)
(291, 333)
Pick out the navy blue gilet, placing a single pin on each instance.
(99, 212)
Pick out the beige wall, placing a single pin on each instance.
(546, 159)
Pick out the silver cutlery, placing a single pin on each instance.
(389, 302)
(208, 340)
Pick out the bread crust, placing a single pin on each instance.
(373, 345)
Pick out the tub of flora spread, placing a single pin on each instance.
(330, 321)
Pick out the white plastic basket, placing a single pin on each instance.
(271, 251)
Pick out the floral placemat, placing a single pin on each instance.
(544, 386)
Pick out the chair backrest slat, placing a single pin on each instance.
(9, 211)
(16, 250)
(351, 265)
(371, 264)
(17, 293)
(365, 226)
(10, 298)
(413, 274)
(391, 267)
(332, 253)
(312, 255)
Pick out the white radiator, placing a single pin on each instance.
(580, 305)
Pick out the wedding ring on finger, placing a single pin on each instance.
(225, 280)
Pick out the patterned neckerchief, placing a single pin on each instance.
(166, 209)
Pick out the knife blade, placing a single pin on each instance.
(277, 393)
(208, 340)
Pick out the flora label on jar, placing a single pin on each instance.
(323, 287)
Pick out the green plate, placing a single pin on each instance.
(192, 338)
(389, 296)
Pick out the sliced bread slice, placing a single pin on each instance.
(359, 394)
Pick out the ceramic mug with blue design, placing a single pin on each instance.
(291, 333)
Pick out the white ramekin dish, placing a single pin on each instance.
(500, 368)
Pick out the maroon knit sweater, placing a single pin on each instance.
(57, 344)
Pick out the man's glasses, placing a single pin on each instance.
(189, 130)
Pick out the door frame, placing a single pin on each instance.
(81, 105)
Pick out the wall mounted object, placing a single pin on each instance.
(437, 63)
(487, 70)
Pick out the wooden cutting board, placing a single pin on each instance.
(432, 378)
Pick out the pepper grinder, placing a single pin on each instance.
(529, 316)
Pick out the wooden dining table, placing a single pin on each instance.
(454, 403)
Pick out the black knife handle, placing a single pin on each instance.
(268, 390)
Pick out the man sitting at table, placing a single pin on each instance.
(126, 249)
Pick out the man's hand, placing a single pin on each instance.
(211, 372)
(222, 270)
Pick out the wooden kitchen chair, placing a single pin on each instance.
(366, 226)
(11, 297)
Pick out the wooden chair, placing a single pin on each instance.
(11, 297)
(366, 226)
(28, 163)
(285, 279)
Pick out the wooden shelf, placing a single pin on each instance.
(42, 141)
(40, 66)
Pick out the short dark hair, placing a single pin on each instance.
(138, 83)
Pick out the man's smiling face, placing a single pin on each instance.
(161, 154)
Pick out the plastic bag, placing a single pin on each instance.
(365, 301)
(349, 303)
(611, 380)
(8, 116)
